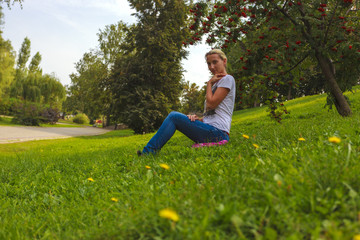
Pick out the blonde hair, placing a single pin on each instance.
(216, 51)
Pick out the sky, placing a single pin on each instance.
(63, 30)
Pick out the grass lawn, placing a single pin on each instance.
(65, 123)
(6, 121)
(269, 186)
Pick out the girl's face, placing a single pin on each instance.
(215, 64)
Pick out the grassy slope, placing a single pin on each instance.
(285, 189)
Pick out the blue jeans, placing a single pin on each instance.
(197, 131)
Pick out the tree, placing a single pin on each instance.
(24, 54)
(158, 41)
(7, 61)
(8, 2)
(134, 74)
(90, 90)
(86, 85)
(34, 66)
(69, 106)
(31, 85)
(52, 91)
(192, 99)
(137, 105)
(152, 68)
(17, 88)
(112, 42)
(278, 40)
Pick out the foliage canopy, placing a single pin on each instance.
(280, 43)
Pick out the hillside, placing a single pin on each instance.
(287, 181)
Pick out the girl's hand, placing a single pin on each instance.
(193, 117)
(216, 78)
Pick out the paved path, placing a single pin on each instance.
(20, 134)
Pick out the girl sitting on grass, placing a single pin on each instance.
(219, 106)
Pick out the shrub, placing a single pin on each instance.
(81, 118)
(32, 114)
(3, 107)
(28, 114)
(8, 106)
(50, 115)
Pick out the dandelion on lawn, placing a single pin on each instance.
(90, 179)
(245, 136)
(164, 166)
(356, 237)
(334, 140)
(301, 139)
(255, 145)
(169, 214)
(147, 167)
(114, 199)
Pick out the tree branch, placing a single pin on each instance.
(282, 10)
(331, 20)
(307, 36)
(285, 3)
(297, 64)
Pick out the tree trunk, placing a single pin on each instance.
(255, 101)
(289, 93)
(327, 68)
(108, 120)
(103, 122)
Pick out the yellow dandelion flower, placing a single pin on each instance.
(279, 183)
(356, 237)
(114, 199)
(245, 136)
(169, 214)
(164, 166)
(334, 140)
(255, 145)
(90, 179)
(147, 167)
(301, 139)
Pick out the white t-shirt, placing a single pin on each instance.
(222, 115)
